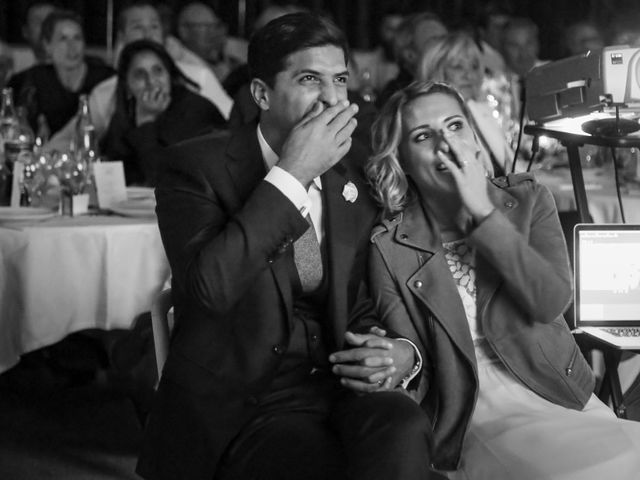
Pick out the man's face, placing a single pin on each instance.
(317, 74)
(141, 23)
(66, 47)
(35, 17)
(202, 31)
(520, 49)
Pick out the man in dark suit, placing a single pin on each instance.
(267, 235)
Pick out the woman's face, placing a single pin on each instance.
(428, 123)
(465, 73)
(148, 74)
(66, 46)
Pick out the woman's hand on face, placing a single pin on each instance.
(151, 104)
(462, 160)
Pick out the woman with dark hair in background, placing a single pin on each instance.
(154, 108)
(50, 91)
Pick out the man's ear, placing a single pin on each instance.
(260, 93)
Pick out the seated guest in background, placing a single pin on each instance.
(154, 107)
(266, 232)
(380, 63)
(6, 63)
(137, 20)
(205, 34)
(624, 28)
(485, 262)
(494, 16)
(51, 90)
(457, 59)
(34, 53)
(582, 36)
(411, 38)
(520, 47)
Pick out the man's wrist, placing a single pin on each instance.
(290, 187)
(417, 365)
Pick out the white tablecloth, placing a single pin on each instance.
(72, 273)
(601, 193)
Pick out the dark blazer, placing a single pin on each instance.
(523, 286)
(228, 236)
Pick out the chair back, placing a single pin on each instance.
(161, 322)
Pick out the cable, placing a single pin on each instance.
(615, 169)
(523, 104)
(535, 146)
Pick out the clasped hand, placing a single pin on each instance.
(374, 363)
(319, 140)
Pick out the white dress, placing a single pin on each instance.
(515, 434)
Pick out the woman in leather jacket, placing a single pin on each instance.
(475, 272)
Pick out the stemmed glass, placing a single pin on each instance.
(71, 174)
(34, 178)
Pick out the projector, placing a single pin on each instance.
(598, 80)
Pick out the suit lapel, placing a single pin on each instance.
(244, 161)
(342, 222)
(432, 283)
(247, 169)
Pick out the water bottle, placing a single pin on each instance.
(86, 147)
(14, 137)
(8, 117)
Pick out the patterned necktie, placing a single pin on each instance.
(306, 253)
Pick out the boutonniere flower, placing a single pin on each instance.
(350, 192)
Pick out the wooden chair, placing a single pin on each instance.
(162, 323)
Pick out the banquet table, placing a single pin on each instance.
(600, 188)
(65, 274)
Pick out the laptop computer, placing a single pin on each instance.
(607, 282)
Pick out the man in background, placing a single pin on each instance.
(205, 34)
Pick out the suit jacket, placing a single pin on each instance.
(523, 285)
(228, 236)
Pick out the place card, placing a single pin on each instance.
(109, 183)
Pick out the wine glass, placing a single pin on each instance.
(71, 173)
(34, 178)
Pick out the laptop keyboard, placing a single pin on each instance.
(624, 331)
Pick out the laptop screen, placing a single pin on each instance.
(607, 274)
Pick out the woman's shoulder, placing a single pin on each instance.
(385, 225)
(523, 186)
(523, 180)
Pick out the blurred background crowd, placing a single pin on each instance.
(137, 66)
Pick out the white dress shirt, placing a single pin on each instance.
(306, 201)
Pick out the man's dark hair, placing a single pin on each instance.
(271, 45)
(55, 17)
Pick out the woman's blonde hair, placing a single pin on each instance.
(444, 52)
(391, 187)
